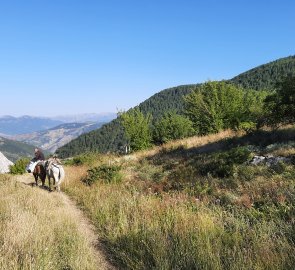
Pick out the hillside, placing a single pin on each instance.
(266, 76)
(14, 150)
(197, 203)
(58, 136)
(110, 136)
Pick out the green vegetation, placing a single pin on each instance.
(266, 76)
(105, 173)
(215, 106)
(199, 206)
(172, 126)
(280, 106)
(20, 166)
(88, 158)
(14, 150)
(110, 137)
(137, 128)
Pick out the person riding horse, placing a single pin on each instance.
(38, 155)
(36, 166)
(37, 160)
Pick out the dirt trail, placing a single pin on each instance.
(84, 225)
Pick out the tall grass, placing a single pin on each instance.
(38, 231)
(177, 231)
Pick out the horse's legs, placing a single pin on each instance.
(49, 183)
(36, 179)
(58, 187)
(43, 180)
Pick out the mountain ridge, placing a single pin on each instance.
(110, 137)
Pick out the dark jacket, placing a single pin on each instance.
(39, 156)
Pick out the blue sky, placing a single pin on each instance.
(81, 56)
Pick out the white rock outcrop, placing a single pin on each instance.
(4, 164)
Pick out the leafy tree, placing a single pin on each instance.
(280, 106)
(214, 106)
(137, 128)
(172, 126)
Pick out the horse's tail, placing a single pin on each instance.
(61, 176)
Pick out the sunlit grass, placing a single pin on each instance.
(38, 231)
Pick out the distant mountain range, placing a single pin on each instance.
(20, 135)
(10, 125)
(110, 136)
(86, 117)
(56, 137)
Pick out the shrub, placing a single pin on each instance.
(83, 159)
(172, 126)
(248, 127)
(20, 166)
(223, 164)
(105, 173)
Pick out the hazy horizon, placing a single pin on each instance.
(59, 115)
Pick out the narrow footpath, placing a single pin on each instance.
(83, 223)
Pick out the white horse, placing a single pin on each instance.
(55, 171)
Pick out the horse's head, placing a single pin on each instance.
(30, 167)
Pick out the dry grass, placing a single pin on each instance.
(188, 143)
(245, 221)
(176, 231)
(39, 231)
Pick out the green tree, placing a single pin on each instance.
(137, 128)
(20, 166)
(172, 126)
(280, 105)
(214, 106)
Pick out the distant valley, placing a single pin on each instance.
(20, 135)
(56, 137)
(10, 125)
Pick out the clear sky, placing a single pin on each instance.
(81, 56)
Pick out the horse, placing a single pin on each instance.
(55, 171)
(38, 171)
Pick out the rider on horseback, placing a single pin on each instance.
(39, 156)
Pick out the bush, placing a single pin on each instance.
(223, 164)
(248, 127)
(83, 159)
(20, 166)
(172, 127)
(105, 173)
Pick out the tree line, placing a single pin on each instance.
(210, 108)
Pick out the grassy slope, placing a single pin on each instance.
(39, 231)
(166, 214)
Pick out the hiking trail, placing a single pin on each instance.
(83, 223)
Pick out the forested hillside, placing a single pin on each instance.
(110, 136)
(266, 76)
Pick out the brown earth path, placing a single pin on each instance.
(84, 224)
